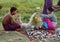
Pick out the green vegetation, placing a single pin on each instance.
(25, 7)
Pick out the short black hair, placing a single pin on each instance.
(50, 9)
(13, 9)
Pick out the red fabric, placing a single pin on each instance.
(24, 32)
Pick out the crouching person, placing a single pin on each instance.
(8, 22)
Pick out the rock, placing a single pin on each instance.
(38, 8)
(0, 7)
(0, 33)
(10, 40)
(6, 32)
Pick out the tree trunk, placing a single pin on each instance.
(58, 3)
(48, 3)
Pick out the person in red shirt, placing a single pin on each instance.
(8, 22)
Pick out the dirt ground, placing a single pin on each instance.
(13, 36)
